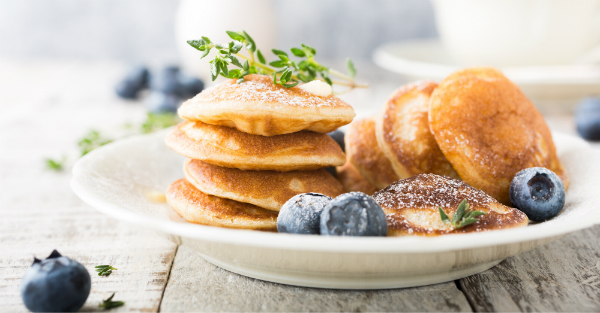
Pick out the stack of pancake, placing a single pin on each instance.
(476, 125)
(251, 147)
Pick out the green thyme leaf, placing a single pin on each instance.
(250, 45)
(158, 121)
(443, 215)
(198, 44)
(91, 141)
(350, 67)
(235, 35)
(279, 52)
(236, 47)
(55, 165)
(290, 85)
(298, 52)
(260, 56)
(109, 304)
(104, 270)
(206, 40)
(236, 62)
(462, 217)
(278, 64)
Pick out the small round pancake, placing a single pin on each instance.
(229, 147)
(352, 179)
(411, 207)
(489, 130)
(363, 151)
(266, 189)
(257, 106)
(197, 207)
(403, 133)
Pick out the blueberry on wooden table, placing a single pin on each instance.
(538, 192)
(55, 284)
(134, 82)
(587, 119)
(353, 214)
(338, 136)
(302, 214)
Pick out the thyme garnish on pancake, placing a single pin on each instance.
(462, 217)
(285, 72)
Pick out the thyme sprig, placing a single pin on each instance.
(55, 164)
(109, 304)
(92, 141)
(285, 71)
(462, 217)
(104, 270)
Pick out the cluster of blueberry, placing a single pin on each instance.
(587, 119)
(55, 284)
(538, 192)
(350, 214)
(168, 87)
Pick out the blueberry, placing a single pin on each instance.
(56, 284)
(353, 214)
(159, 102)
(166, 81)
(587, 119)
(302, 214)
(538, 192)
(190, 85)
(338, 136)
(135, 80)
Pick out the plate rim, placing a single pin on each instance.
(407, 244)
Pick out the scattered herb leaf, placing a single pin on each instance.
(56, 165)
(109, 304)
(158, 121)
(286, 72)
(92, 141)
(462, 217)
(104, 270)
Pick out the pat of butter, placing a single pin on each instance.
(317, 88)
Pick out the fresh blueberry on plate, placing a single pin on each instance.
(135, 81)
(353, 214)
(538, 192)
(190, 85)
(166, 81)
(302, 214)
(55, 284)
(587, 119)
(338, 136)
(160, 102)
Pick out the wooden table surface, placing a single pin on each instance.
(47, 105)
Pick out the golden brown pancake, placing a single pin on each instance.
(228, 147)
(257, 106)
(403, 133)
(411, 207)
(352, 179)
(197, 207)
(363, 151)
(266, 189)
(489, 130)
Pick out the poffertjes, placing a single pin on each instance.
(200, 208)
(364, 153)
(489, 130)
(257, 106)
(411, 207)
(266, 189)
(229, 147)
(403, 133)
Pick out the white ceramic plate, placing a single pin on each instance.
(556, 85)
(116, 179)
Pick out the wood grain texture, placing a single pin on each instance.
(47, 108)
(563, 276)
(196, 285)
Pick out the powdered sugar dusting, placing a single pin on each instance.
(260, 88)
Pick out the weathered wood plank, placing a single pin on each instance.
(561, 276)
(196, 285)
(47, 108)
